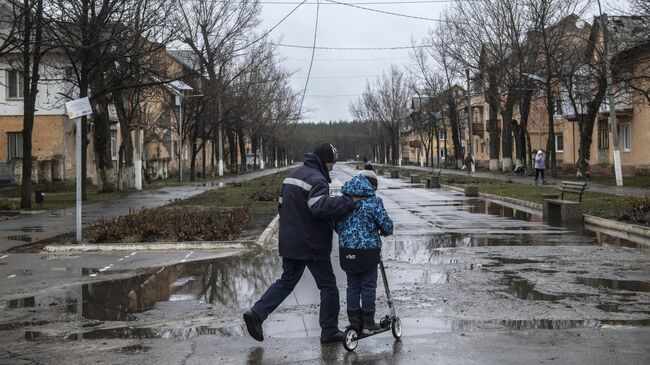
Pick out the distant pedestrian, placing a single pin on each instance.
(539, 166)
(307, 212)
(469, 162)
(360, 248)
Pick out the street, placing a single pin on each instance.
(474, 282)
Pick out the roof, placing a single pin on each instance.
(186, 57)
(628, 32)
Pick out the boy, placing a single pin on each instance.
(360, 248)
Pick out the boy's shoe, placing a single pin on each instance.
(254, 325)
(335, 338)
(355, 318)
(369, 325)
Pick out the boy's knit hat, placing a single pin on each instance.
(370, 175)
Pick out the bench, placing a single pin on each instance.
(565, 212)
(415, 179)
(573, 187)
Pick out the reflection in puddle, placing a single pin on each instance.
(523, 289)
(295, 327)
(629, 285)
(481, 206)
(234, 282)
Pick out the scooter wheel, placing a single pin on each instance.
(396, 328)
(384, 322)
(351, 339)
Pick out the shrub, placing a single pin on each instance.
(263, 196)
(639, 208)
(171, 224)
(6, 204)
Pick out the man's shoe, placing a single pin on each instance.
(254, 325)
(338, 337)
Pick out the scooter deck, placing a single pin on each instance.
(364, 335)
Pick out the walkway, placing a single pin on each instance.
(593, 187)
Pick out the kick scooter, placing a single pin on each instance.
(389, 322)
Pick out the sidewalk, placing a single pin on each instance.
(36, 227)
(529, 180)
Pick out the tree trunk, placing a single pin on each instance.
(30, 66)
(506, 138)
(102, 144)
(242, 150)
(455, 131)
(524, 113)
(493, 124)
(193, 161)
(586, 126)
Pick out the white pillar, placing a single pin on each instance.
(78, 168)
(220, 152)
(261, 153)
(275, 159)
(137, 164)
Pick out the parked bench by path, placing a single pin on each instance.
(565, 212)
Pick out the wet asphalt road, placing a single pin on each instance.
(473, 281)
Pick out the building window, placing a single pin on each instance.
(626, 137)
(559, 142)
(603, 134)
(114, 144)
(15, 87)
(558, 106)
(14, 145)
(442, 135)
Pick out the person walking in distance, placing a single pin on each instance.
(307, 212)
(539, 166)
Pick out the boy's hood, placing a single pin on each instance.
(358, 186)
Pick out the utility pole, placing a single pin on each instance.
(612, 104)
(469, 121)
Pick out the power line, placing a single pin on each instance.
(352, 48)
(334, 96)
(348, 59)
(363, 2)
(352, 5)
(272, 28)
(313, 51)
(338, 77)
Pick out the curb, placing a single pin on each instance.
(269, 232)
(154, 246)
(523, 203)
(624, 229)
(262, 241)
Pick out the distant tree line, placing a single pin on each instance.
(351, 139)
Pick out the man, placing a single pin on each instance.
(305, 240)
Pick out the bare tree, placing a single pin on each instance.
(23, 47)
(387, 102)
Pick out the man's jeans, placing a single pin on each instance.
(291, 272)
(362, 285)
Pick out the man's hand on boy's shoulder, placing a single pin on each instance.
(359, 198)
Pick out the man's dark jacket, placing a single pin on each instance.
(307, 211)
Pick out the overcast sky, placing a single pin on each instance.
(339, 76)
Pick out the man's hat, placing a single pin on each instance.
(326, 152)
